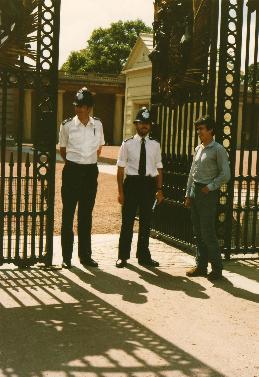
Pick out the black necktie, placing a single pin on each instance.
(142, 159)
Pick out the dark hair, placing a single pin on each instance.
(207, 121)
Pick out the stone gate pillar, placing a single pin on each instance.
(60, 110)
(117, 124)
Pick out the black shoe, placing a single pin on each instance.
(89, 262)
(196, 271)
(149, 263)
(215, 275)
(121, 263)
(67, 264)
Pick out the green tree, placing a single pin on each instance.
(107, 49)
(251, 73)
(76, 61)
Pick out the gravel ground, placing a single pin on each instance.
(107, 211)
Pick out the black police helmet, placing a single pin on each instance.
(143, 116)
(83, 97)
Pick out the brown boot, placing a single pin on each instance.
(196, 271)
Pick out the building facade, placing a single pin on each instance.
(138, 72)
(109, 92)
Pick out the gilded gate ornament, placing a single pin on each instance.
(18, 24)
(180, 55)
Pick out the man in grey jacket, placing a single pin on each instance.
(209, 170)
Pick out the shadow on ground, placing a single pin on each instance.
(248, 268)
(167, 281)
(170, 282)
(52, 327)
(107, 283)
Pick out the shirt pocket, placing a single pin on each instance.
(75, 138)
(151, 159)
(208, 160)
(133, 157)
(209, 166)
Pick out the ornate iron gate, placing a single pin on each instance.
(205, 60)
(29, 40)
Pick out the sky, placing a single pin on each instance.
(80, 17)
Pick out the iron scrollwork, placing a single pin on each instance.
(18, 24)
(180, 54)
(29, 36)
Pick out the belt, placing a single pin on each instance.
(80, 166)
(198, 184)
(140, 177)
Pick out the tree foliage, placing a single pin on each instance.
(251, 74)
(107, 49)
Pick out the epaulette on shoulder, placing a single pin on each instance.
(67, 120)
(130, 138)
(97, 118)
(153, 138)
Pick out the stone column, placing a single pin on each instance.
(60, 106)
(27, 131)
(92, 111)
(117, 123)
(60, 110)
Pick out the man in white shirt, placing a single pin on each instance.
(140, 159)
(80, 139)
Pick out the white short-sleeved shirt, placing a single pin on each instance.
(129, 156)
(81, 141)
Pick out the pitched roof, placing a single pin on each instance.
(144, 45)
(147, 38)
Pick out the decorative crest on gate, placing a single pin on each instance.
(180, 54)
(18, 25)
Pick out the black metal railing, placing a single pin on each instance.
(23, 217)
(28, 63)
(226, 88)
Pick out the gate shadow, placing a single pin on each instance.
(52, 327)
(248, 268)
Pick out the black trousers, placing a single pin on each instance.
(139, 193)
(79, 186)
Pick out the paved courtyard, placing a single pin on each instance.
(135, 322)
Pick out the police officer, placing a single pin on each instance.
(210, 168)
(140, 159)
(81, 139)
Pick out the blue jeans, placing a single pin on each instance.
(203, 215)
